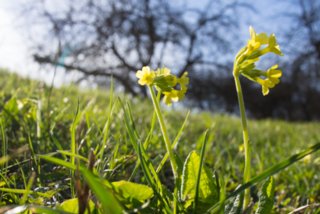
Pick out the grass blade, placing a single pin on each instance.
(203, 148)
(67, 153)
(106, 128)
(58, 162)
(4, 146)
(174, 144)
(147, 140)
(28, 188)
(153, 179)
(145, 145)
(109, 203)
(130, 126)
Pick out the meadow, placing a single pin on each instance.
(60, 144)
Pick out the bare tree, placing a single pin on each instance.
(304, 35)
(305, 61)
(117, 37)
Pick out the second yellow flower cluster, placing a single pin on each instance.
(258, 45)
(172, 87)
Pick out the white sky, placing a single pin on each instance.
(14, 52)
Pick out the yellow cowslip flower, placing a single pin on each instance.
(172, 87)
(183, 82)
(245, 61)
(273, 45)
(265, 85)
(273, 75)
(163, 71)
(174, 94)
(256, 40)
(184, 79)
(171, 96)
(182, 92)
(146, 76)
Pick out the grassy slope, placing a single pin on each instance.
(34, 116)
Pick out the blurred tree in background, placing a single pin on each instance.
(118, 37)
(304, 82)
(100, 39)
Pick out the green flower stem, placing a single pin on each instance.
(164, 133)
(247, 147)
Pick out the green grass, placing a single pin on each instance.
(35, 121)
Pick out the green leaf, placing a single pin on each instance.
(72, 206)
(236, 206)
(266, 197)
(12, 106)
(207, 188)
(130, 190)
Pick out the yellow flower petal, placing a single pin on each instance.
(273, 72)
(273, 45)
(262, 38)
(163, 71)
(146, 76)
(139, 74)
(184, 79)
(265, 90)
(172, 96)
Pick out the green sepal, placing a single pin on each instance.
(253, 74)
(165, 82)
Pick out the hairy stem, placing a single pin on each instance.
(246, 143)
(164, 133)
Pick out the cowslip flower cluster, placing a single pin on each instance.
(258, 45)
(172, 87)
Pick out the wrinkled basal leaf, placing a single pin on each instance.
(235, 207)
(266, 197)
(72, 206)
(131, 190)
(207, 189)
